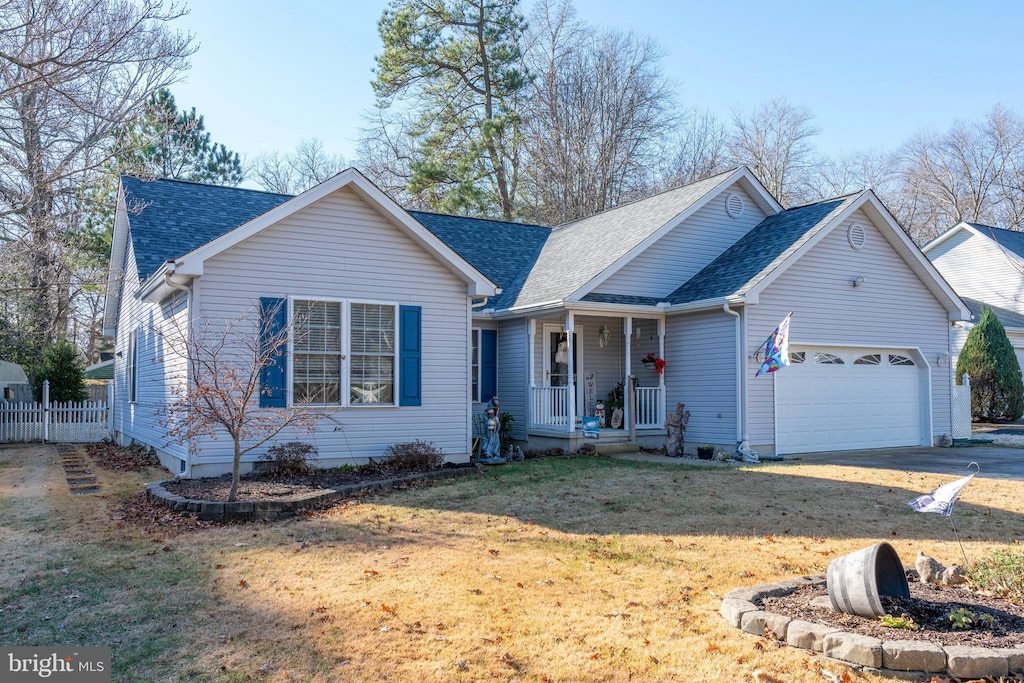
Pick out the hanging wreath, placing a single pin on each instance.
(652, 360)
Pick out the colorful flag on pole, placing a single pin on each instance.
(941, 499)
(776, 349)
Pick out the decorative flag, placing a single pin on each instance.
(776, 349)
(941, 499)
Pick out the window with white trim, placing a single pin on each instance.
(896, 359)
(372, 375)
(869, 359)
(133, 366)
(316, 352)
(338, 344)
(825, 358)
(474, 365)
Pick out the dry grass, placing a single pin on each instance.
(560, 570)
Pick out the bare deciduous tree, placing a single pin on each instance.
(775, 141)
(71, 72)
(310, 164)
(700, 150)
(220, 390)
(597, 110)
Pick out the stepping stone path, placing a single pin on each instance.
(78, 470)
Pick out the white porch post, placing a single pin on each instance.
(629, 365)
(531, 331)
(571, 390)
(662, 399)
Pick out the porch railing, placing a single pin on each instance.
(549, 406)
(648, 408)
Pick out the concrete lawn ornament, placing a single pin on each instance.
(932, 572)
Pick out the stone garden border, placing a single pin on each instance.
(270, 510)
(904, 659)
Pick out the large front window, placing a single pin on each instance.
(338, 342)
(372, 376)
(316, 377)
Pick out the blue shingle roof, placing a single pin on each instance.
(759, 252)
(170, 218)
(500, 250)
(1012, 240)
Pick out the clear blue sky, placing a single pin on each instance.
(270, 73)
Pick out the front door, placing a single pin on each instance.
(556, 361)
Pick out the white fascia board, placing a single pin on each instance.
(962, 225)
(478, 284)
(707, 304)
(115, 267)
(762, 197)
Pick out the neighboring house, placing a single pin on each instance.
(14, 386)
(985, 266)
(699, 276)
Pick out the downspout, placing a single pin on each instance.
(741, 436)
(188, 329)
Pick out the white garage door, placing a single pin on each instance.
(840, 399)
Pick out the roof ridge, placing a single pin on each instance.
(478, 218)
(842, 197)
(644, 199)
(151, 179)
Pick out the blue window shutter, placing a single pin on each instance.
(273, 320)
(410, 356)
(488, 365)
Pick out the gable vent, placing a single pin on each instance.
(857, 235)
(734, 205)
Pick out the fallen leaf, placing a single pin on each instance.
(494, 552)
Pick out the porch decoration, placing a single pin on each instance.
(652, 359)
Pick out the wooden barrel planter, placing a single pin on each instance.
(857, 581)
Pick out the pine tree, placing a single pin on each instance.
(997, 392)
(62, 366)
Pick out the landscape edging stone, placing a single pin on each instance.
(865, 651)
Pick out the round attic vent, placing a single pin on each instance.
(734, 205)
(857, 235)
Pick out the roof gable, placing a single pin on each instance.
(1008, 241)
(760, 252)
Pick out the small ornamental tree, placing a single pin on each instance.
(997, 392)
(226, 361)
(62, 366)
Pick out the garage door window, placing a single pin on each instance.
(895, 359)
(797, 357)
(870, 359)
(823, 358)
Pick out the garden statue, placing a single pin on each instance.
(491, 448)
(676, 425)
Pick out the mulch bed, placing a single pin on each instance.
(257, 486)
(929, 607)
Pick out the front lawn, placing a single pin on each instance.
(559, 569)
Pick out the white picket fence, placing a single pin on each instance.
(62, 422)
(962, 408)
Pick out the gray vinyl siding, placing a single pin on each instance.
(700, 372)
(513, 385)
(977, 268)
(684, 250)
(161, 365)
(893, 309)
(341, 248)
(606, 363)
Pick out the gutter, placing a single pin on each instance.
(741, 388)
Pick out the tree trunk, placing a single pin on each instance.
(233, 495)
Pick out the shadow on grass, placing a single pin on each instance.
(607, 496)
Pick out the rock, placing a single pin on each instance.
(963, 661)
(930, 571)
(807, 635)
(854, 648)
(913, 655)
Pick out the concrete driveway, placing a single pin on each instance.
(996, 462)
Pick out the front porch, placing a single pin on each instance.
(583, 365)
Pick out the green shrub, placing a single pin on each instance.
(62, 365)
(288, 460)
(416, 455)
(1001, 573)
(997, 392)
(962, 618)
(902, 621)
